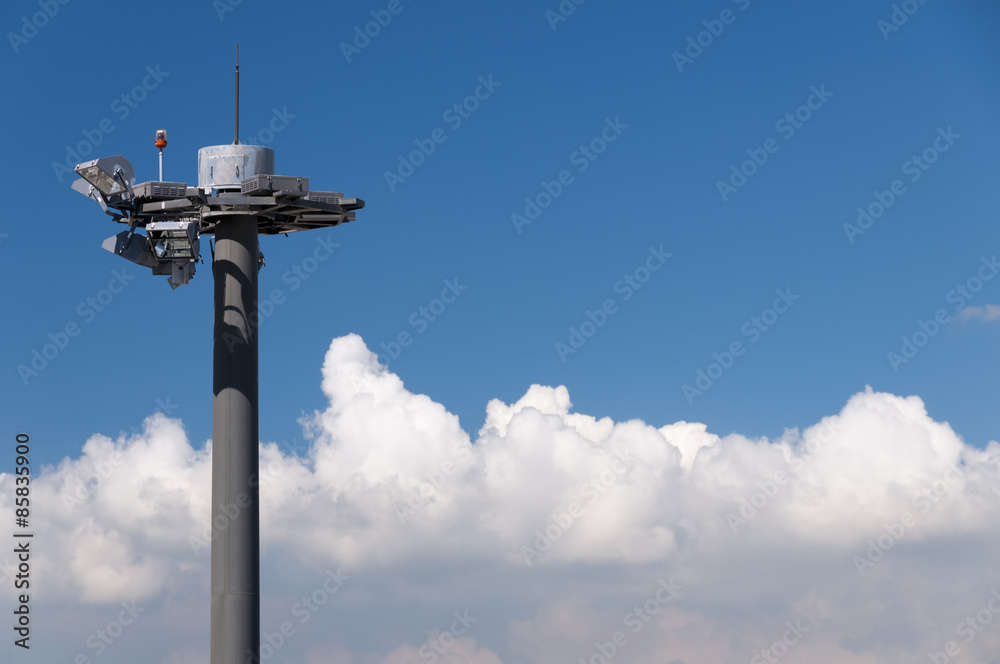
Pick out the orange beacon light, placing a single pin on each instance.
(161, 142)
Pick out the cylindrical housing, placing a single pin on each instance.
(235, 609)
(225, 166)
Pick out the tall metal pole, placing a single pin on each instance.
(235, 612)
(238, 197)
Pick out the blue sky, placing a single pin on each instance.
(344, 124)
(692, 174)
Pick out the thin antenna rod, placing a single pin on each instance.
(237, 141)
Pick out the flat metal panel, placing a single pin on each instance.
(160, 190)
(273, 184)
(325, 196)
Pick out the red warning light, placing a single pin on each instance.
(161, 138)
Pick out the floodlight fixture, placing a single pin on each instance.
(170, 248)
(173, 240)
(90, 191)
(175, 245)
(109, 175)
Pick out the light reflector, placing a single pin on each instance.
(108, 174)
(174, 240)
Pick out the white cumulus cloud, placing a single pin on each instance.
(866, 537)
(985, 312)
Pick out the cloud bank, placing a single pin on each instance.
(985, 312)
(552, 536)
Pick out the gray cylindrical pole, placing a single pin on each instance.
(235, 627)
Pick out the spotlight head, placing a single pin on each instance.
(109, 175)
(173, 240)
(170, 248)
(161, 138)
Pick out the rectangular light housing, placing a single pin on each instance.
(174, 240)
(101, 173)
(274, 185)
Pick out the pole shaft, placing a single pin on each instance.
(161, 164)
(235, 607)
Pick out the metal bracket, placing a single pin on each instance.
(120, 176)
(131, 232)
